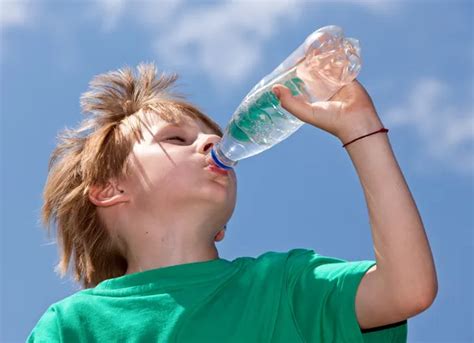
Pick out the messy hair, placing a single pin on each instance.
(118, 106)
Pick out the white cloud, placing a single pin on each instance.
(198, 36)
(110, 11)
(150, 14)
(14, 13)
(225, 40)
(445, 127)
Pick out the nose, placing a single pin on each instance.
(207, 143)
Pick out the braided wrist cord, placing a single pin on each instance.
(381, 130)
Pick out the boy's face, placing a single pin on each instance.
(170, 172)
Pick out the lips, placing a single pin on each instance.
(217, 170)
(214, 168)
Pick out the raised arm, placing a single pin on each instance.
(403, 283)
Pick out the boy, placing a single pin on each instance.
(139, 206)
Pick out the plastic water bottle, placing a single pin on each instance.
(317, 69)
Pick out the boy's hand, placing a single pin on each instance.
(348, 114)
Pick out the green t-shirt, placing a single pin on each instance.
(294, 296)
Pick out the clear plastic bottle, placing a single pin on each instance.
(317, 69)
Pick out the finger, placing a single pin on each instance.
(320, 113)
(296, 105)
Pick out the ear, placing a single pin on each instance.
(108, 195)
(219, 236)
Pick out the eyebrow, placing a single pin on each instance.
(173, 125)
(167, 125)
(185, 125)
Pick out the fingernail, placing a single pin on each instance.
(277, 92)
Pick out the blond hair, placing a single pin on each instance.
(118, 106)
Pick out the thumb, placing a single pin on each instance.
(296, 105)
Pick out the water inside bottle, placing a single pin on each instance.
(330, 62)
(260, 122)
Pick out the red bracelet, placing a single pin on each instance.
(381, 130)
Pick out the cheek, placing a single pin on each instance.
(161, 186)
(148, 175)
(168, 177)
(172, 177)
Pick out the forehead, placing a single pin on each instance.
(152, 123)
(149, 123)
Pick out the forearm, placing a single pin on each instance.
(402, 251)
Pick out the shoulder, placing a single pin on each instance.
(74, 299)
(292, 261)
(270, 258)
(51, 322)
(66, 307)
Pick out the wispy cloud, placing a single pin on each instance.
(14, 13)
(153, 15)
(113, 10)
(445, 128)
(223, 40)
(205, 38)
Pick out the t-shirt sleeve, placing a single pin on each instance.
(47, 329)
(321, 293)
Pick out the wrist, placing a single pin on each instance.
(359, 129)
(382, 130)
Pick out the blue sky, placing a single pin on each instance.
(304, 192)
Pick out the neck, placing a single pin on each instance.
(151, 246)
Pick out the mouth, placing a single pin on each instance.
(216, 169)
(212, 167)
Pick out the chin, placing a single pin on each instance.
(218, 191)
(223, 198)
(219, 196)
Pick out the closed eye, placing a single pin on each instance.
(176, 138)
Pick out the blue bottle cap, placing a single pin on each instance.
(217, 162)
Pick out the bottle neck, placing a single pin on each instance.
(220, 159)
